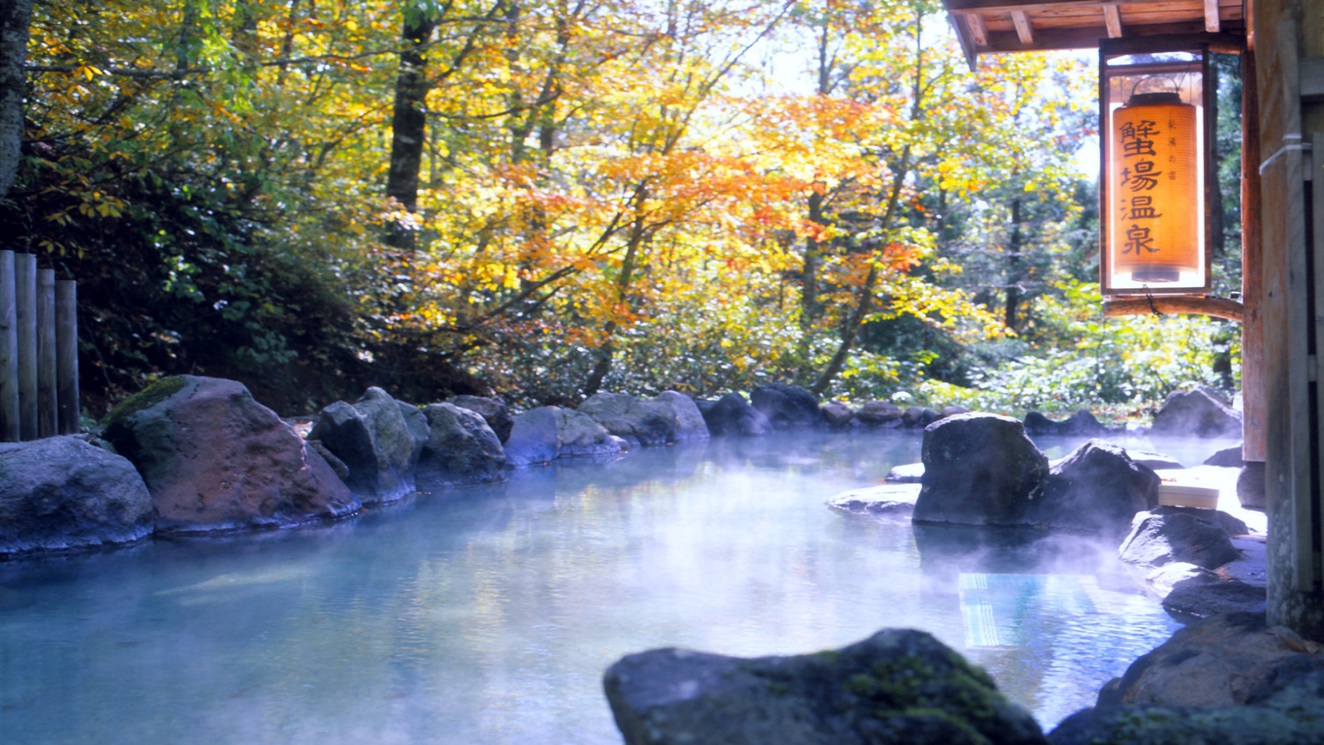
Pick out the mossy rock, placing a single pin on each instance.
(147, 398)
(897, 686)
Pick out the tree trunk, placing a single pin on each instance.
(602, 365)
(1012, 300)
(810, 308)
(243, 37)
(409, 123)
(809, 305)
(864, 298)
(863, 302)
(15, 17)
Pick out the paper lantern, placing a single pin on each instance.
(1153, 200)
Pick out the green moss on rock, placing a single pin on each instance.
(147, 398)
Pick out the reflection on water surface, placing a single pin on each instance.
(487, 615)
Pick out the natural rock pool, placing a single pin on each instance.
(488, 614)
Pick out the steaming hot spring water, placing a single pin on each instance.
(488, 614)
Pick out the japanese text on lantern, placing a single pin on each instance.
(1138, 178)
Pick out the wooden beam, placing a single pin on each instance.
(1215, 307)
(1145, 38)
(1211, 20)
(978, 32)
(1022, 23)
(1113, 21)
(1003, 7)
(960, 24)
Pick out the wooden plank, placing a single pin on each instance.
(25, 296)
(1112, 20)
(1023, 30)
(47, 393)
(66, 363)
(1211, 16)
(1252, 327)
(1214, 307)
(9, 418)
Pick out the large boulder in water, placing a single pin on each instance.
(215, 459)
(880, 414)
(838, 416)
(61, 494)
(1290, 715)
(1225, 660)
(546, 433)
(1251, 487)
(898, 686)
(786, 406)
(1188, 535)
(373, 439)
(416, 423)
(732, 415)
(914, 416)
(636, 421)
(1097, 489)
(1082, 423)
(979, 469)
(688, 418)
(461, 447)
(1200, 412)
(493, 410)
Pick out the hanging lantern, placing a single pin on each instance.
(1156, 166)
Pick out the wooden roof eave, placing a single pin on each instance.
(995, 26)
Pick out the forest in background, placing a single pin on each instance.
(539, 200)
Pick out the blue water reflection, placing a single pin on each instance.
(487, 615)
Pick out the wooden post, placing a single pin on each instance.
(9, 428)
(25, 293)
(66, 343)
(1252, 328)
(47, 393)
(1291, 422)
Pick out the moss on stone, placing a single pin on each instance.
(958, 724)
(147, 398)
(913, 685)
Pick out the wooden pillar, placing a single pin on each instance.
(1252, 331)
(25, 294)
(9, 428)
(47, 393)
(1290, 296)
(66, 363)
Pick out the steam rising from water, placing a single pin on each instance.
(488, 614)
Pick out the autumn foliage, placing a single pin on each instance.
(535, 199)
